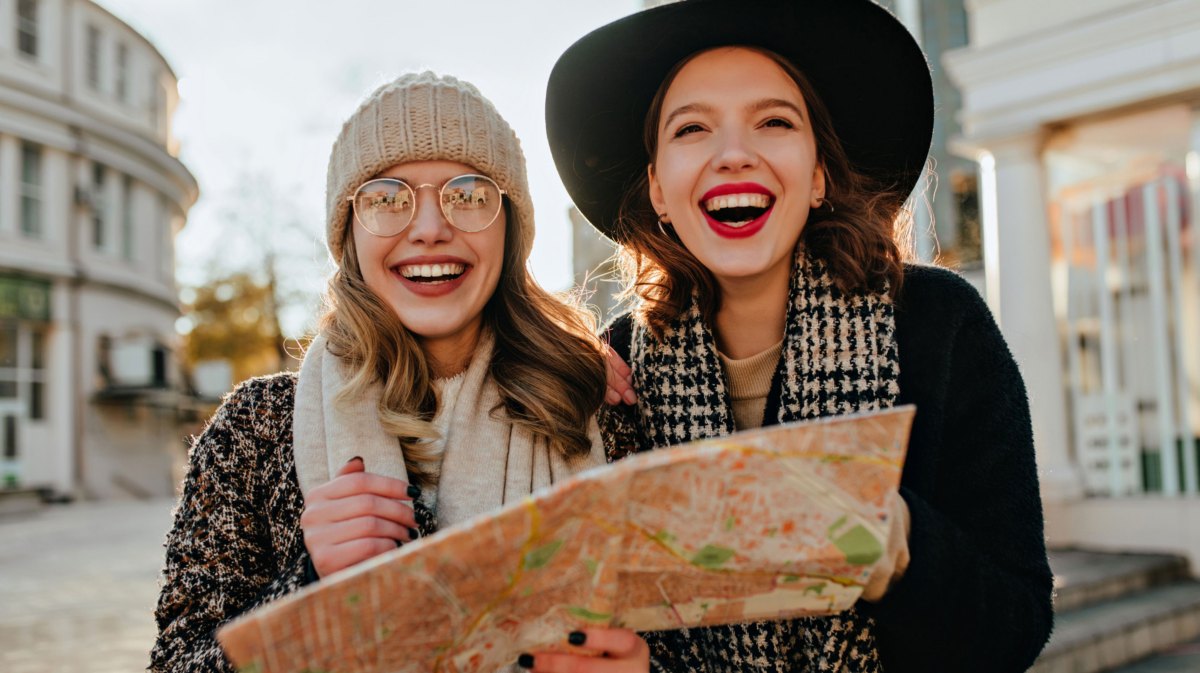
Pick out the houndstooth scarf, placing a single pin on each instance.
(839, 356)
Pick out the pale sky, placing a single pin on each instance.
(266, 85)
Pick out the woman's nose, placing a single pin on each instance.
(734, 153)
(429, 224)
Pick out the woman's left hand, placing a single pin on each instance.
(892, 567)
(607, 651)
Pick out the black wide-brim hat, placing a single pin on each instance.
(863, 63)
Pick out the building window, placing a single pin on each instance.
(165, 227)
(155, 100)
(964, 188)
(99, 207)
(27, 27)
(122, 73)
(127, 239)
(31, 190)
(37, 375)
(93, 57)
(24, 326)
(8, 359)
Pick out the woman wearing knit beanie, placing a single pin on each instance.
(444, 381)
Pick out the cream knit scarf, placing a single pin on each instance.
(487, 461)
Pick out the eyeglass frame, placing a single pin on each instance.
(415, 189)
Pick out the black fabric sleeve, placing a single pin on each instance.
(619, 422)
(220, 557)
(977, 593)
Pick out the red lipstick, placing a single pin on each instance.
(746, 230)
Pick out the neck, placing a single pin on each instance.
(752, 314)
(450, 355)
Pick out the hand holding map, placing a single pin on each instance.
(771, 523)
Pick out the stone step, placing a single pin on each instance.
(1184, 658)
(20, 501)
(1103, 636)
(1083, 578)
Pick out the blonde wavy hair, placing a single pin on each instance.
(547, 362)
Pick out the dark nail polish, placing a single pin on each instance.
(414, 491)
(413, 533)
(577, 638)
(358, 458)
(399, 543)
(525, 660)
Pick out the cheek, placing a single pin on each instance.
(673, 183)
(491, 250)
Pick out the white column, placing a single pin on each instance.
(1017, 259)
(61, 396)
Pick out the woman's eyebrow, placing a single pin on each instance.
(684, 109)
(768, 103)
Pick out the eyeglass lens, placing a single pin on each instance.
(385, 207)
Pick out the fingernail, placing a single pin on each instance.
(399, 543)
(577, 638)
(358, 458)
(413, 533)
(525, 660)
(414, 491)
(630, 397)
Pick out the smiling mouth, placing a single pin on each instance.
(737, 210)
(431, 274)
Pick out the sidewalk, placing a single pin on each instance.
(78, 584)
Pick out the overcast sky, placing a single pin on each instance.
(266, 85)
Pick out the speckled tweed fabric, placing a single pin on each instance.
(839, 356)
(236, 543)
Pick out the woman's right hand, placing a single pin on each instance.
(355, 516)
(619, 380)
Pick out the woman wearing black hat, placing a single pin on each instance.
(752, 159)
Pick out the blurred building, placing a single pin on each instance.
(91, 196)
(946, 204)
(1085, 120)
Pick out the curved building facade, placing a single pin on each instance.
(92, 194)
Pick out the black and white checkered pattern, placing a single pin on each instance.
(839, 356)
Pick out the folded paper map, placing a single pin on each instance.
(766, 524)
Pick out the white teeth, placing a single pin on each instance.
(737, 201)
(431, 270)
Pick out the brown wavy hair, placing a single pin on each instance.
(863, 242)
(547, 362)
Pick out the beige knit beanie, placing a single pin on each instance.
(425, 117)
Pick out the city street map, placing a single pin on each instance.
(766, 524)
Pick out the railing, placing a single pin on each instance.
(1128, 299)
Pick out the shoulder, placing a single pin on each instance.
(273, 392)
(934, 287)
(269, 389)
(260, 408)
(937, 300)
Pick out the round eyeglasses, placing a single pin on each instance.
(386, 206)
